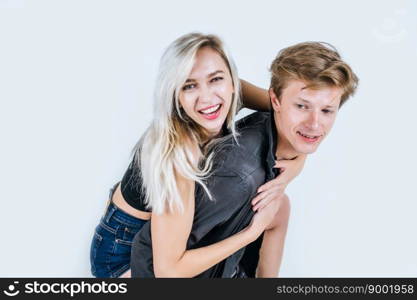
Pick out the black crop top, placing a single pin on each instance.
(131, 187)
(131, 184)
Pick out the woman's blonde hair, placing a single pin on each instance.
(168, 147)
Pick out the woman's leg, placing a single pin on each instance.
(127, 274)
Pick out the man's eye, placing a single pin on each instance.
(301, 106)
(327, 111)
(218, 78)
(188, 87)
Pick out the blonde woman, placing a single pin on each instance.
(196, 100)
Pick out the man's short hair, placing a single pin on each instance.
(318, 64)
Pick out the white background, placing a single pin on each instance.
(76, 80)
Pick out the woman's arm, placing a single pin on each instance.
(170, 232)
(254, 97)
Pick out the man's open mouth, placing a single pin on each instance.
(308, 138)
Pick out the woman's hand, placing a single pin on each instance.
(264, 217)
(275, 188)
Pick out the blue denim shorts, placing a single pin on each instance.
(112, 241)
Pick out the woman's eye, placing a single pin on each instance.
(188, 87)
(301, 106)
(218, 78)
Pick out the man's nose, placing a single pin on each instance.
(313, 120)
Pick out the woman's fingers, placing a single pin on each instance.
(261, 204)
(274, 183)
(266, 197)
(277, 189)
(267, 213)
(258, 198)
(282, 163)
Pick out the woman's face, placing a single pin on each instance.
(207, 94)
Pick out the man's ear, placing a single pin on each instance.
(276, 105)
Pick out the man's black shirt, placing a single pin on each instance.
(238, 170)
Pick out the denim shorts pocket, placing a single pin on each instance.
(124, 238)
(124, 242)
(95, 244)
(127, 235)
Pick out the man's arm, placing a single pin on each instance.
(272, 249)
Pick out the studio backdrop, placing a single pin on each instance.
(76, 85)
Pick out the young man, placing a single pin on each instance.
(309, 84)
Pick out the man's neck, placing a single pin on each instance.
(285, 150)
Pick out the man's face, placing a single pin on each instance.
(304, 116)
